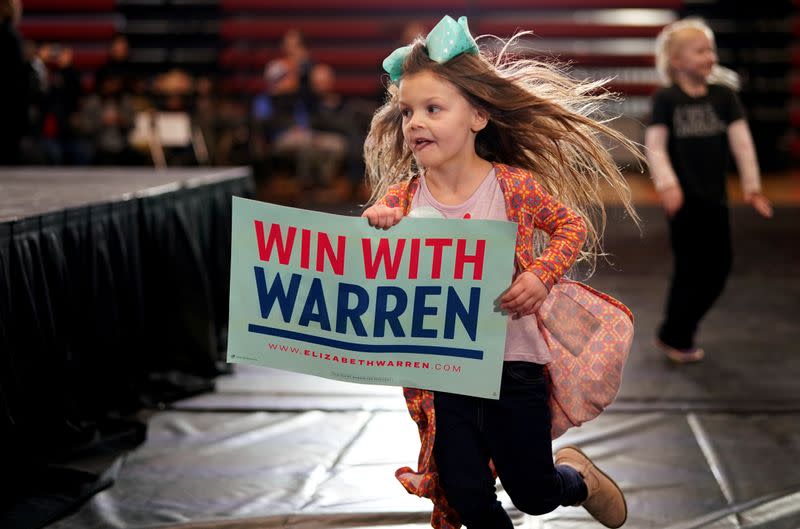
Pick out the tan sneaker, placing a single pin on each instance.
(605, 500)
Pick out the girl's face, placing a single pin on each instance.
(438, 122)
(695, 55)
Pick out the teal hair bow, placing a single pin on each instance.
(446, 40)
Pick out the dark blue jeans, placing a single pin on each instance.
(514, 432)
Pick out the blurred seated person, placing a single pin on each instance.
(61, 108)
(174, 91)
(106, 118)
(334, 119)
(289, 74)
(180, 142)
(284, 106)
(288, 124)
(117, 65)
(280, 113)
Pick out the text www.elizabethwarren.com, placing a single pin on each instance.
(351, 360)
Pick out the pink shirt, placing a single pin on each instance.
(524, 341)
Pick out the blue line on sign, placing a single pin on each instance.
(364, 348)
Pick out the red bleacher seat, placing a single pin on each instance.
(795, 148)
(545, 28)
(235, 58)
(360, 85)
(578, 4)
(795, 117)
(348, 58)
(90, 59)
(633, 89)
(351, 85)
(358, 58)
(463, 5)
(274, 28)
(243, 85)
(68, 30)
(370, 85)
(607, 59)
(95, 6)
(271, 28)
(336, 57)
(284, 5)
(354, 38)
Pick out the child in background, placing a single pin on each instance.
(452, 121)
(696, 120)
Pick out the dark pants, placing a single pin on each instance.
(10, 152)
(514, 432)
(700, 235)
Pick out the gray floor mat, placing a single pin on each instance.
(712, 446)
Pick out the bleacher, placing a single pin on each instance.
(597, 37)
(85, 25)
(234, 39)
(349, 36)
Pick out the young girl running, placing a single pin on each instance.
(506, 139)
(696, 119)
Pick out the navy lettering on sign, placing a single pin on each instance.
(315, 300)
(267, 296)
(383, 315)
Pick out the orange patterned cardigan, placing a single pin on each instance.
(531, 207)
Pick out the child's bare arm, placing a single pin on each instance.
(744, 152)
(661, 170)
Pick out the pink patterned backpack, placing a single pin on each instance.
(589, 334)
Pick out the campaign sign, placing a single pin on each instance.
(329, 295)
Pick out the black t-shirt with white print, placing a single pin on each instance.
(698, 140)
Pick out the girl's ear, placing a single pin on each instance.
(480, 118)
(675, 59)
(672, 61)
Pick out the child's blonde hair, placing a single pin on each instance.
(539, 119)
(669, 42)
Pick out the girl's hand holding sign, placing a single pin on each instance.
(382, 216)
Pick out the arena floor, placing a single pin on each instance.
(713, 445)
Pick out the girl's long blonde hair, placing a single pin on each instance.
(539, 119)
(669, 41)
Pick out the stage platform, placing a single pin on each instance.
(113, 298)
(713, 445)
